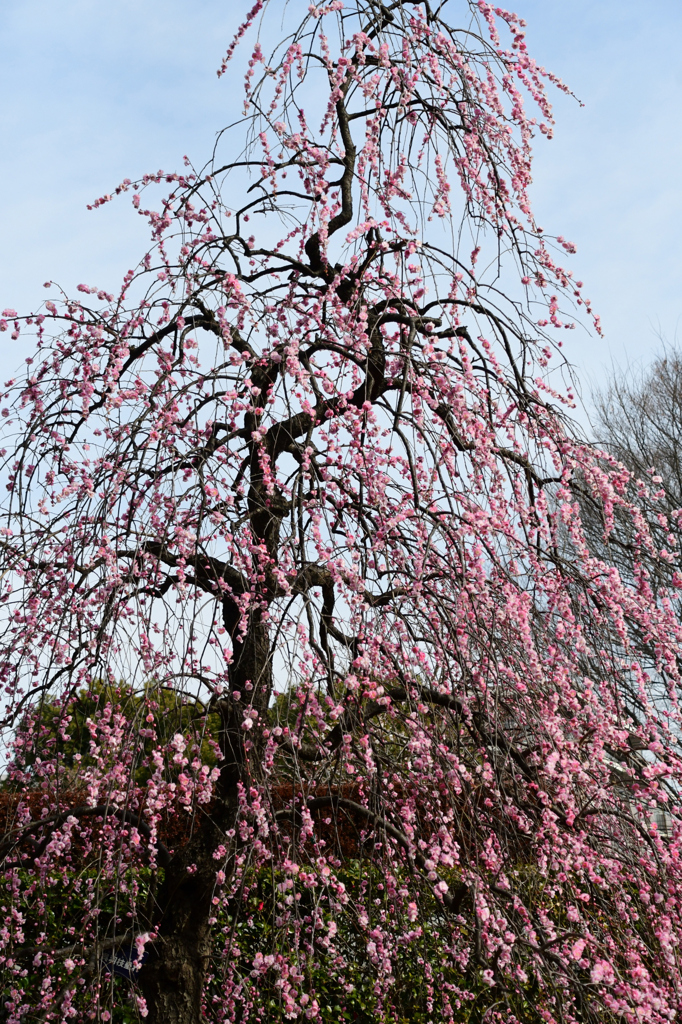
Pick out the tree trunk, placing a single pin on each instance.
(173, 978)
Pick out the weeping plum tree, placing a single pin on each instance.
(302, 489)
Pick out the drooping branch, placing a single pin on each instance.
(25, 834)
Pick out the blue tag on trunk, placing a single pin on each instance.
(125, 961)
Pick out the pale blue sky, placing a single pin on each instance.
(92, 91)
